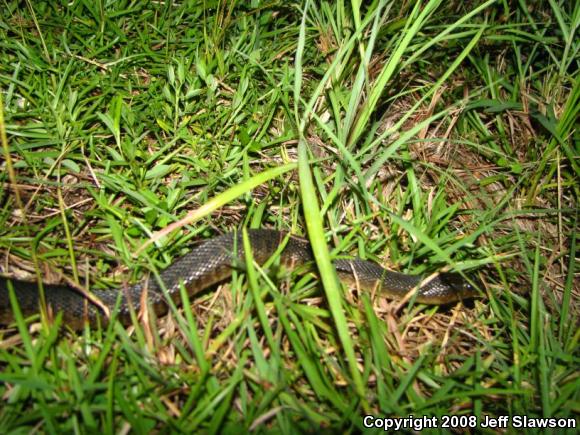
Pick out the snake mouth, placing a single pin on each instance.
(462, 287)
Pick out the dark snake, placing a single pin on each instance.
(212, 262)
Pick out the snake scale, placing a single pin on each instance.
(211, 262)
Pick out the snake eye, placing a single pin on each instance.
(470, 288)
(461, 287)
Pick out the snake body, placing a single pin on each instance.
(212, 262)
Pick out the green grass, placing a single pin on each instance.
(421, 135)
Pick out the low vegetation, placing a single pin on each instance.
(423, 135)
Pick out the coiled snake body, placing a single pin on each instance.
(212, 262)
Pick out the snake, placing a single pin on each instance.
(210, 263)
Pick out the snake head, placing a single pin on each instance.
(461, 287)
